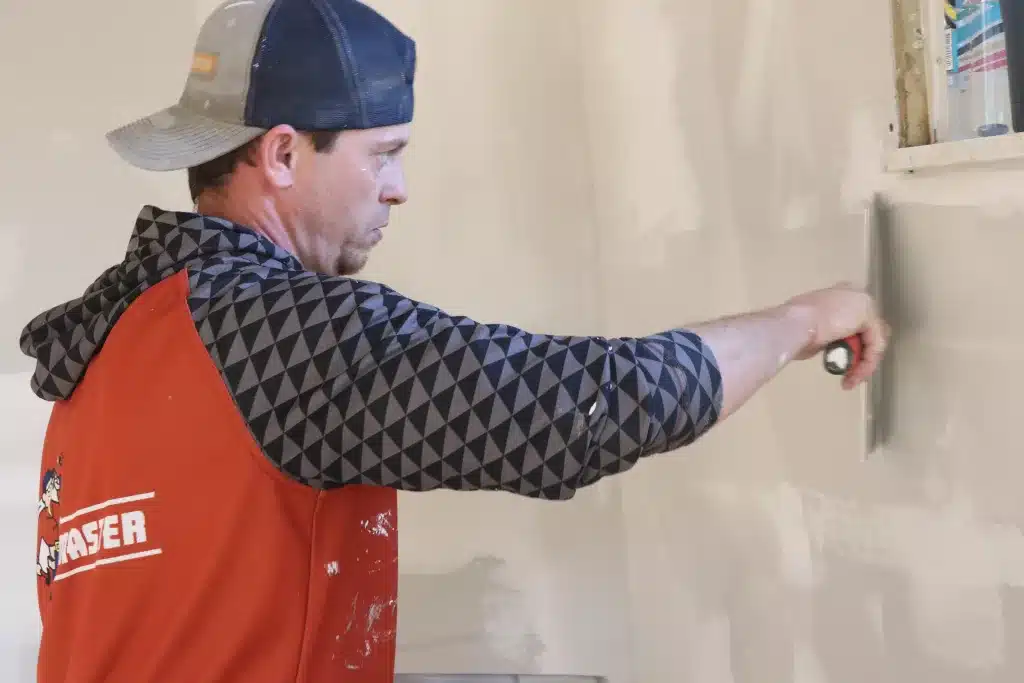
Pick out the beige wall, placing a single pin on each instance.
(641, 164)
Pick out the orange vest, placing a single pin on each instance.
(218, 491)
(176, 552)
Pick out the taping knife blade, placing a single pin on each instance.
(841, 356)
(872, 393)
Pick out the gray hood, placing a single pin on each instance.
(64, 339)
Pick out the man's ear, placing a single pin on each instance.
(278, 155)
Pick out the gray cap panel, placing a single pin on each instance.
(218, 82)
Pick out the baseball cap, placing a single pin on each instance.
(317, 65)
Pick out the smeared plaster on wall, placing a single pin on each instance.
(956, 565)
(485, 623)
(711, 648)
(758, 45)
(510, 621)
(647, 185)
(996, 193)
(794, 120)
(806, 666)
(801, 212)
(962, 626)
(784, 507)
(875, 610)
(945, 546)
(766, 106)
(863, 173)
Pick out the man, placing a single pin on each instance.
(234, 413)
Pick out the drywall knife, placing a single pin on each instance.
(843, 355)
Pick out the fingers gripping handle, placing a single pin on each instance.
(843, 355)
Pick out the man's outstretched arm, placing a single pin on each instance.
(752, 348)
(391, 392)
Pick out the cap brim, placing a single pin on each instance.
(175, 139)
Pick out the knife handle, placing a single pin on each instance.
(843, 355)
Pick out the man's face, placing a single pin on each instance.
(343, 197)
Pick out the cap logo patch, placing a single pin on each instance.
(204, 64)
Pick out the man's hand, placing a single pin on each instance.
(837, 313)
(753, 347)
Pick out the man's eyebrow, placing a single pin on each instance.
(395, 145)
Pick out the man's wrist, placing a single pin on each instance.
(804, 321)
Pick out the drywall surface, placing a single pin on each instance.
(501, 228)
(617, 168)
(735, 145)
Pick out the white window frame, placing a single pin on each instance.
(919, 59)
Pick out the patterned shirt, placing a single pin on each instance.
(219, 479)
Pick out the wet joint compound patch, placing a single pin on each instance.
(956, 567)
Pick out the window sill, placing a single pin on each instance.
(959, 153)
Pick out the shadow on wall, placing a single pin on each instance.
(887, 634)
(481, 625)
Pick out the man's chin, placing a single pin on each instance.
(351, 264)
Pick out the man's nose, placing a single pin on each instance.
(394, 191)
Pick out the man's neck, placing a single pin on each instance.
(259, 215)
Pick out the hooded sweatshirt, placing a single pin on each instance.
(229, 432)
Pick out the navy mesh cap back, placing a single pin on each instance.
(330, 65)
(312, 64)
